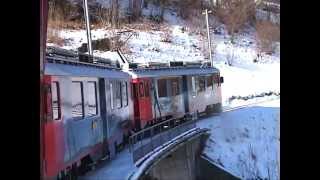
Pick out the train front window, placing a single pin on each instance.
(55, 100)
(146, 89)
(162, 88)
(141, 90)
(77, 100)
(118, 95)
(92, 99)
(124, 94)
(134, 92)
(201, 83)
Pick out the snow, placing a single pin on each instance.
(118, 168)
(243, 78)
(246, 141)
(256, 79)
(75, 38)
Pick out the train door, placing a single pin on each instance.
(92, 100)
(135, 96)
(142, 102)
(53, 127)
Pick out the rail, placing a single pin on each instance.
(147, 140)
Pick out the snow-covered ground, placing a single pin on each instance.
(117, 169)
(246, 141)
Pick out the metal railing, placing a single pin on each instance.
(146, 140)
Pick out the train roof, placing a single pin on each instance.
(68, 63)
(81, 70)
(173, 71)
(61, 62)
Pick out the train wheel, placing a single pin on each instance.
(84, 167)
(61, 176)
(74, 172)
(116, 147)
(68, 175)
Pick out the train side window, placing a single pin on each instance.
(111, 95)
(118, 94)
(216, 78)
(77, 99)
(201, 83)
(209, 82)
(146, 89)
(55, 92)
(141, 90)
(124, 94)
(92, 98)
(175, 87)
(162, 88)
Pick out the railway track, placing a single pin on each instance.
(247, 105)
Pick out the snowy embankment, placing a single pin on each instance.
(246, 141)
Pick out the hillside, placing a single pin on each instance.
(244, 78)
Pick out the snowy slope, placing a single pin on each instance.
(243, 78)
(246, 141)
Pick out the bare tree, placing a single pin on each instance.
(230, 56)
(104, 15)
(267, 34)
(187, 8)
(235, 13)
(115, 13)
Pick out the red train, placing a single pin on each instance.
(91, 109)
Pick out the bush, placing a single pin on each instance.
(267, 34)
(166, 37)
(53, 37)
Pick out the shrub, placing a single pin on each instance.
(166, 37)
(53, 37)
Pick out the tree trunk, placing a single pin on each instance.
(115, 13)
